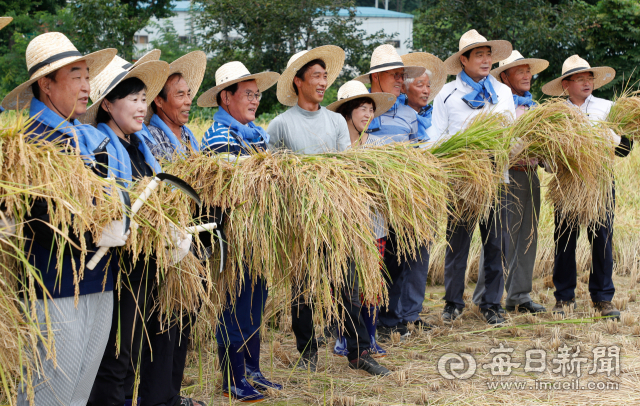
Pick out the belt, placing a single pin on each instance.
(524, 168)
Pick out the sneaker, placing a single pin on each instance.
(423, 324)
(308, 361)
(558, 308)
(528, 307)
(366, 363)
(450, 312)
(607, 309)
(492, 315)
(187, 402)
(384, 332)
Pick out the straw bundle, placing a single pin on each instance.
(474, 160)
(624, 116)
(579, 153)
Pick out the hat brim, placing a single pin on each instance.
(192, 66)
(602, 74)
(536, 66)
(500, 50)
(153, 74)
(433, 64)
(333, 56)
(4, 21)
(411, 71)
(264, 80)
(20, 97)
(384, 101)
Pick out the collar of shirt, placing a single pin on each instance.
(595, 108)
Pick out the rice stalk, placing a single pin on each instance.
(624, 116)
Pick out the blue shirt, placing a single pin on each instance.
(398, 124)
(220, 139)
(43, 250)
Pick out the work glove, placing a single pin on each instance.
(180, 243)
(516, 148)
(112, 235)
(7, 226)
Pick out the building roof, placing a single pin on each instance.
(360, 11)
(374, 12)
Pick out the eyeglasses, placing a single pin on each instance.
(398, 76)
(583, 80)
(250, 96)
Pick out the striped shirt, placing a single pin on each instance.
(220, 139)
(164, 149)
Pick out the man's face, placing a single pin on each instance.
(178, 103)
(243, 104)
(69, 93)
(390, 81)
(478, 65)
(418, 91)
(518, 78)
(312, 88)
(579, 85)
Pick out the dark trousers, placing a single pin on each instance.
(239, 322)
(111, 384)
(459, 236)
(564, 267)
(407, 282)
(163, 360)
(355, 330)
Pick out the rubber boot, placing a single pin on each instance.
(234, 383)
(340, 349)
(252, 365)
(369, 315)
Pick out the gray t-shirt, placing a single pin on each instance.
(309, 132)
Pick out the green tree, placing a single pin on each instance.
(537, 28)
(169, 42)
(113, 23)
(614, 40)
(264, 34)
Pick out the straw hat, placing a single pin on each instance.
(235, 72)
(332, 56)
(4, 21)
(385, 58)
(356, 90)
(516, 59)
(574, 64)
(500, 50)
(152, 73)
(47, 53)
(434, 65)
(192, 67)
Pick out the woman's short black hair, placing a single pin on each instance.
(347, 108)
(231, 89)
(122, 90)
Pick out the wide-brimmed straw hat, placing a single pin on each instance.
(152, 73)
(574, 64)
(4, 21)
(434, 65)
(516, 59)
(192, 67)
(500, 50)
(384, 58)
(235, 72)
(354, 89)
(331, 55)
(47, 53)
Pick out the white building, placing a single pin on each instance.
(400, 25)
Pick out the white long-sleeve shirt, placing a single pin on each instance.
(451, 114)
(595, 108)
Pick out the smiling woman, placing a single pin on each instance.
(124, 108)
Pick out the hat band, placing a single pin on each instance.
(388, 65)
(575, 70)
(472, 44)
(127, 66)
(115, 81)
(52, 59)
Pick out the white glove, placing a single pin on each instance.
(516, 148)
(615, 138)
(180, 244)
(7, 227)
(112, 235)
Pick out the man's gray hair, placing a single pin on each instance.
(409, 81)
